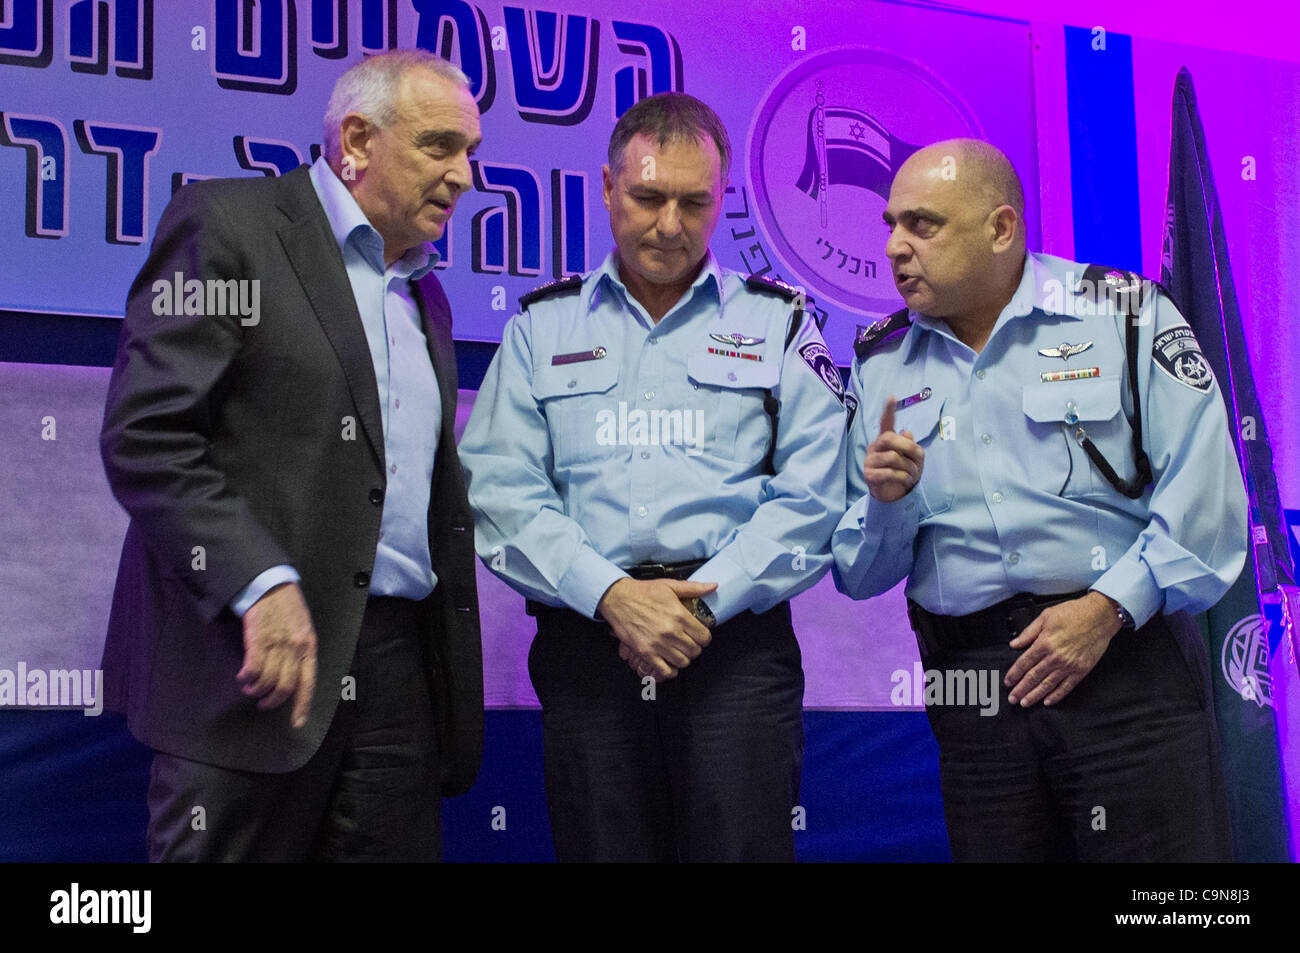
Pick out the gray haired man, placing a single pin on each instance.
(294, 629)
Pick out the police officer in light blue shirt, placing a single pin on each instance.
(1043, 452)
(655, 460)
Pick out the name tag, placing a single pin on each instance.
(923, 394)
(595, 354)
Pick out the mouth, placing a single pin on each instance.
(442, 205)
(906, 283)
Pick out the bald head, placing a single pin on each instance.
(956, 224)
(975, 168)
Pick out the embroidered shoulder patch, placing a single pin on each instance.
(818, 357)
(1177, 354)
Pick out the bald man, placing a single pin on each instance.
(1044, 453)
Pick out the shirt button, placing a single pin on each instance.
(731, 375)
(1013, 558)
(573, 383)
(641, 511)
(397, 402)
(987, 438)
(645, 454)
(980, 375)
(654, 341)
(997, 497)
(392, 468)
(393, 341)
(649, 395)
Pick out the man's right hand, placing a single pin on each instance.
(280, 652)
(648, 617)
(894, 460)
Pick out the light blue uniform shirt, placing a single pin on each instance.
(1008, 502)
(653, 451)
(409, 401)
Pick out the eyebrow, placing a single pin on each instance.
(449, 138)
(913, 214)
(638, 188)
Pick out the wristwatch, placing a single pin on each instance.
(701, 611)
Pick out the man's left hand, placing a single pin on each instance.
(1061, 646)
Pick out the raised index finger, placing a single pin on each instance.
(887, 415)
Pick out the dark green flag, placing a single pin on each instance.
(1254, 619)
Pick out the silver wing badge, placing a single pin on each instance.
(736, 339)
(1065, 350)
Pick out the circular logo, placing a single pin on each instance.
(1244, 660)
(823, 149)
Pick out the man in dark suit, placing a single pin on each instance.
(280, 429)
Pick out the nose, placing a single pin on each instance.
(460, 176)
(896, 247)
(669, 223)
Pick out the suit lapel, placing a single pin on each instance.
(435, 320)
(314, 254)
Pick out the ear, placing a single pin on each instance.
(607, 185)
(1004, 227)
(355, 133)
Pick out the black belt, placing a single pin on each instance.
(682, 570)
(996, 625)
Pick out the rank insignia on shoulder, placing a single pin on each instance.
(1126, 290)
(778, 287)
(572, 283)
(871, 336)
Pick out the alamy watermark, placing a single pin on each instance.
(213, 297)
(52, 688)
(947, 687)
(651, 428)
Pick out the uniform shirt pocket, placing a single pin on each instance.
(1058, 411)
(731, 392)
(572, 397)
(935, 434)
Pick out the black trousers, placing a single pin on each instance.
(702, 767)
(1125, 768)
(370, 793)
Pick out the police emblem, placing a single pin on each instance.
(1178, 355)
(816, 356)
(1244, 660)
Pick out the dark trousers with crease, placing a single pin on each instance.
(1125, 768)
(702, 767)
(369, 793)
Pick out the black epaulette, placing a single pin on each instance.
(871, 336)
(779, 288)
(1126, 289)
(572, 283)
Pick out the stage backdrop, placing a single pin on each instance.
(109, 107)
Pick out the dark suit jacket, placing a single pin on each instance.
(235, 448)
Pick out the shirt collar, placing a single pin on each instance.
(1039, 290)
(349, 224)
(606, 276)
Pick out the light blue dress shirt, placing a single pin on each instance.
(1008, 502)
(600, 440)
(409, 401)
